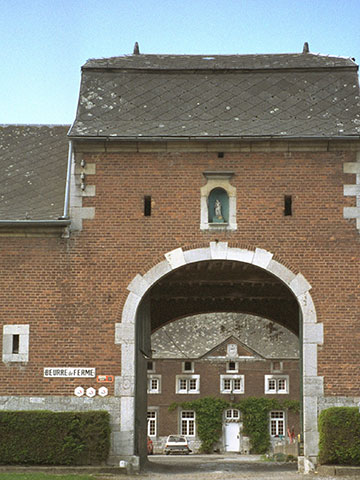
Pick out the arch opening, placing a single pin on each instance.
(224, 279)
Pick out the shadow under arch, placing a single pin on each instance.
(276, 285)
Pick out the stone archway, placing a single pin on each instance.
(311, 334)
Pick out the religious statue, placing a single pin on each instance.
(217, 209)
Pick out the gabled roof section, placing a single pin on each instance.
(33, 165)
(174, 97)
(195, 336)
(243, 351)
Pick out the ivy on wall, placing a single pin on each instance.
(255, 418)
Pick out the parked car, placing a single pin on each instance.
(150, 446)
(176, 444)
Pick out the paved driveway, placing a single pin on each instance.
(220, 467)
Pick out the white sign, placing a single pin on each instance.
(69, 372)
(90, 392)
(103, 391)
(79, 391)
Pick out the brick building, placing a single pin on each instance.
(192, 184)
(211, 355)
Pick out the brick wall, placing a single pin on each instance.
(71, 291)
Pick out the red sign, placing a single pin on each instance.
(105, 378)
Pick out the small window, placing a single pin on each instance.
(277, 423)
(188, 366)
(232, 384)
(152, 423)
(231, 366)
(147, 206)
(154, 384)
(188, 384)
(15, 343)
(187, 423)
(276, 366)
(287, 205)
(151, 366)
(232, 414)
(278, 384)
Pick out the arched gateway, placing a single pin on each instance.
(214, 278)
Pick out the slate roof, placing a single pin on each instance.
(220, 96)
(33, 166)
(193, 337)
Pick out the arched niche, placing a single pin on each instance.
(218, 187)
(218, 206)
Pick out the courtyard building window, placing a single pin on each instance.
(232, 414)
(277, 423)
(188, 366)
(154, 384)
(232, 367)
(188, 384)
(277, 384)
(188, 423)
(232, 384)
(152, 423)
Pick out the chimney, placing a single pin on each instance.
(306, 48)
(136, 49)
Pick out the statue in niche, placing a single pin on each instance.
(217, 210)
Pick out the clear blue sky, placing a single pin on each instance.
(45, 42)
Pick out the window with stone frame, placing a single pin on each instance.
(232, 384)
(187, 384)
(278, 384)
(277, 423)
(154, 384)
(15, 343)
(187, 423)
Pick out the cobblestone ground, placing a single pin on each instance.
(218, 468)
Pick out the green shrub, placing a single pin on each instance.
(49, 438)
(339, 429)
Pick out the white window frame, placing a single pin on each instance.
(189, 422)
(276, 421)
(277, 380)
(187, 378)
(235, 370)
(152, 421)
(150, 388)
(232, 415)
(8, 338)
(192, 369)
(231, 378)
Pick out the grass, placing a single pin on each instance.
(43, 476)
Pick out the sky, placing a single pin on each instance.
(44, 43)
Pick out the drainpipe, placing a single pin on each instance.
(68, 178)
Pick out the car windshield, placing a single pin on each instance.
(173, 438)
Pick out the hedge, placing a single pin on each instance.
(54, 438)
(339, 429)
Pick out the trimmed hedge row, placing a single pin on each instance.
(339, 429)
(54, 438)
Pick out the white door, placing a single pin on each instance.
(232, 437)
